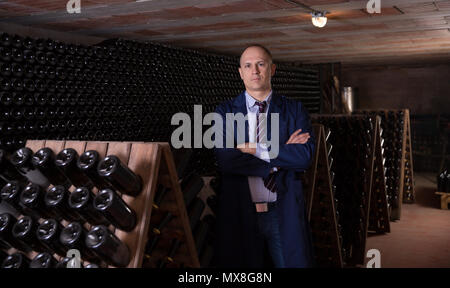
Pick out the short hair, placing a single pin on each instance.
(259, 46)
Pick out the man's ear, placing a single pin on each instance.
(273, 68)
(240, 73)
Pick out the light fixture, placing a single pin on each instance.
(319, 19)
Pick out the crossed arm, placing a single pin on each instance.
(295, 154)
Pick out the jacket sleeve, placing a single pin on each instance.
(232, 160)
(297, 157)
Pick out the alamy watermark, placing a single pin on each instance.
(373, 6)
(375, 262)
(75, 258)
(235, 123)
(73, 6)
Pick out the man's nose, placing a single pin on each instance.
(255, 69)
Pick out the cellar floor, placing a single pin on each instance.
(421, 238)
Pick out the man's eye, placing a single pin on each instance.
(261, 64)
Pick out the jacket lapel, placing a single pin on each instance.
(274, 107)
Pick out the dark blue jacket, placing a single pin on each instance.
(238, 243)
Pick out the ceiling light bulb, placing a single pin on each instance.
(319, 19)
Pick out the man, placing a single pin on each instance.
(261, 204)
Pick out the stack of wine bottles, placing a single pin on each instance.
(48, 205)
(352, 141)
(395, 125)
(320, 191)
(119, 90)
(165, 240)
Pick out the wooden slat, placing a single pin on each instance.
(56, 146)
(144, 161)
(100, 147)
(183, 217)
(35, 145)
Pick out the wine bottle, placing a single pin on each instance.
(10, 195)
(161, 192)
(81, 200)
(108, 246)
(73, 237)
(48, 232)
(32, 200)
(44, 160)
(151, 245)
(57, 201)
(16, 260)
(175, 244)
(24, 230)
(115, 210)
(191, 187)
(7, 170)
(200, 236)
(67, 161)
(22, 160)
(156, 230)
(43, 260)
(88, 162)
(120, 176)
(195, 211)
(7, 222)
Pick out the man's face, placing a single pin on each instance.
(256, 69)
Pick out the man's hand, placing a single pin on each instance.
(249, 148)
(297, 138)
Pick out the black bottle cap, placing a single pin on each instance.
(104, 199)
(47, 229)
(11, 190)
(15, 260)
(96, 236)
(42, 157)
(43, 260)
(55, 195)
(30, 194)
(65, 157)
(88, 159)
(21, 156)
(71, 233)
(22, 227)
(108, 165)
(6, 221)
(79, 197)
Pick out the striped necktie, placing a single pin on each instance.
(269, 181)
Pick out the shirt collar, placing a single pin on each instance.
(251, 101)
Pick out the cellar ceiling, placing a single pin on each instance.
(405, 30)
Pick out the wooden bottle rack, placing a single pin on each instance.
(320, 205)
(154, 163)
(406, 173)
(407, 153)
(354, 245)
(379, 207)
